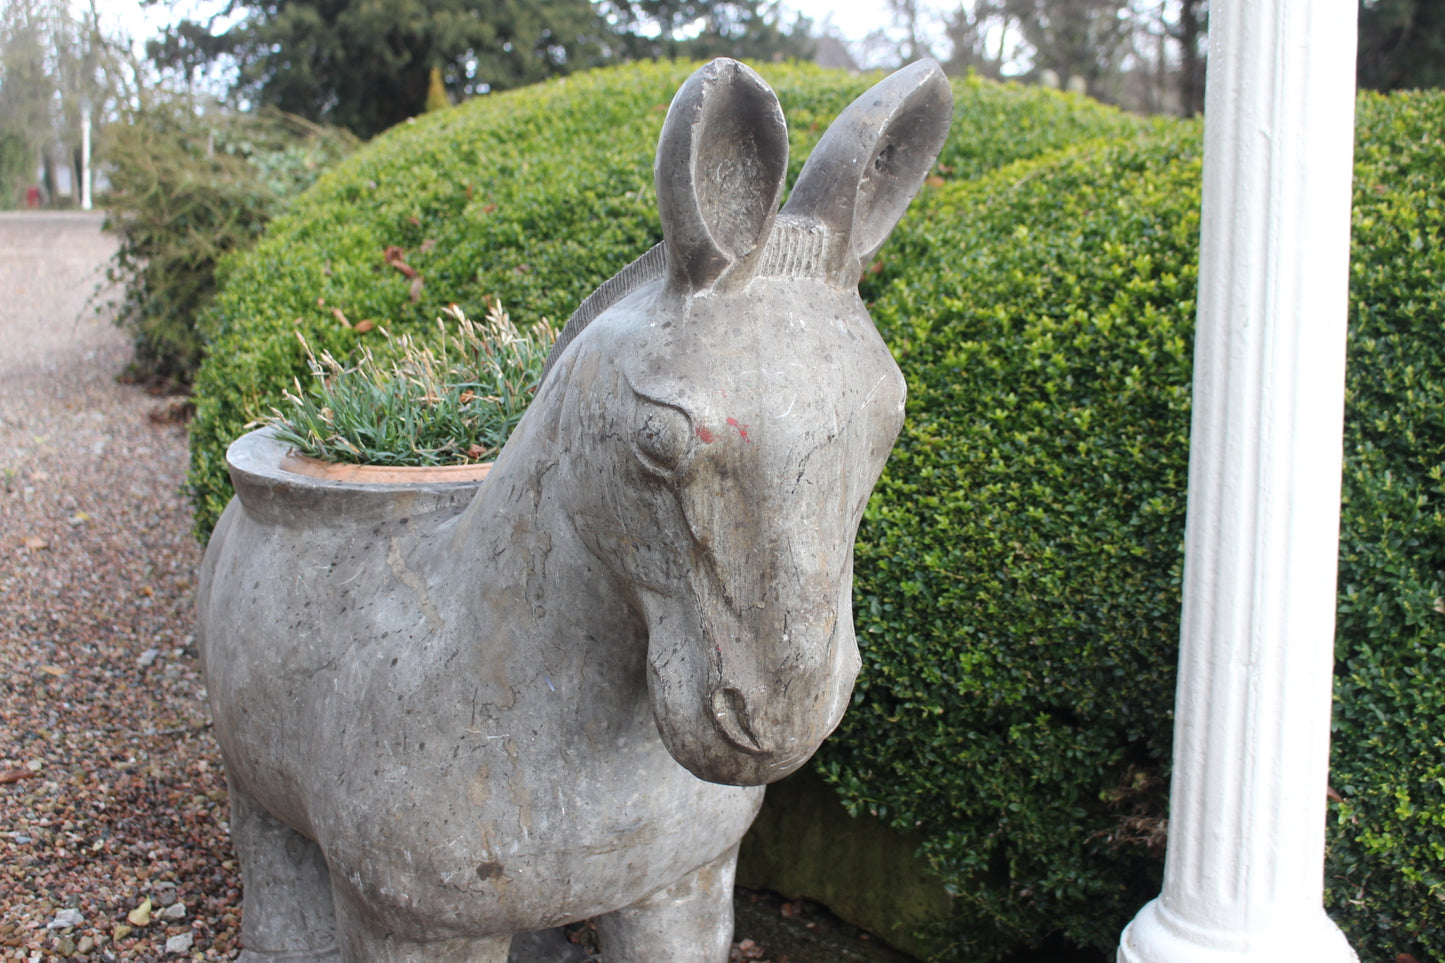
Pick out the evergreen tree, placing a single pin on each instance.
(1074, 38)
(1402, 44)
(366, 64)
(752, 30)
(436, 91)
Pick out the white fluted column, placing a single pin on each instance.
(1243, 876)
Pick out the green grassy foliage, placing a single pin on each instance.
(453, 401)
(533, 197)
(1018, 573)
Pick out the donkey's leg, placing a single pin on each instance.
(362, 941)
(286, 912)
(689, 922)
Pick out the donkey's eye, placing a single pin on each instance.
(662, 437)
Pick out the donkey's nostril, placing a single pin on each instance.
(730, 713)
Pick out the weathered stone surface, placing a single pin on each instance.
(451, 713)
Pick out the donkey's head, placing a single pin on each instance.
(738, 408)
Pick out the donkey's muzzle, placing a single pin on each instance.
(730, 715)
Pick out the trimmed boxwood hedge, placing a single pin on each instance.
(1019, 569)
(1017, 572)
(534, 196)
(1386, 871)
(1017, 581)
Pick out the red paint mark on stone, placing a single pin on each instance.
(742, 429)
(705, 435)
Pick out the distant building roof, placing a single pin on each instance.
(829, 51)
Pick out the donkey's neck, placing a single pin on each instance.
(545, 599)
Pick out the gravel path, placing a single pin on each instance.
(110, 790)
(113, 812)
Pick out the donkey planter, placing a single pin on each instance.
(452, 714)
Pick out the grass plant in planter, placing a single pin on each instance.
(404, 432)
(440, 410)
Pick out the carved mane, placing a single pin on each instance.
(795, 249)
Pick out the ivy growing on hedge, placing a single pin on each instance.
(1018, 573)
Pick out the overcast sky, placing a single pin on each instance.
(853, 18)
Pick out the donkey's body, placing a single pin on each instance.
(499, 786)
(457, 721)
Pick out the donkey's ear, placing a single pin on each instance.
(721, 162)
(864, 172)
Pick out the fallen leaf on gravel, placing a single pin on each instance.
(8, 776)
(141, 915)
(79, 518)
(54, 670)
(174, 412)
(35, 543)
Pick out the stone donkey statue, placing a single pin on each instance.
(449, 721)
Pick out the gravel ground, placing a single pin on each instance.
(110, 789)
(113, 811)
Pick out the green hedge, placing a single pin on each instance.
(1018, 569)
(1386, 871)
(1018, 572)
(187, 187)
(533, 196)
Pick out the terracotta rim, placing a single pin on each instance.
(382, 474)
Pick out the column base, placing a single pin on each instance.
(1158, 936)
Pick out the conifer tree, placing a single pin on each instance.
(367, 65)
